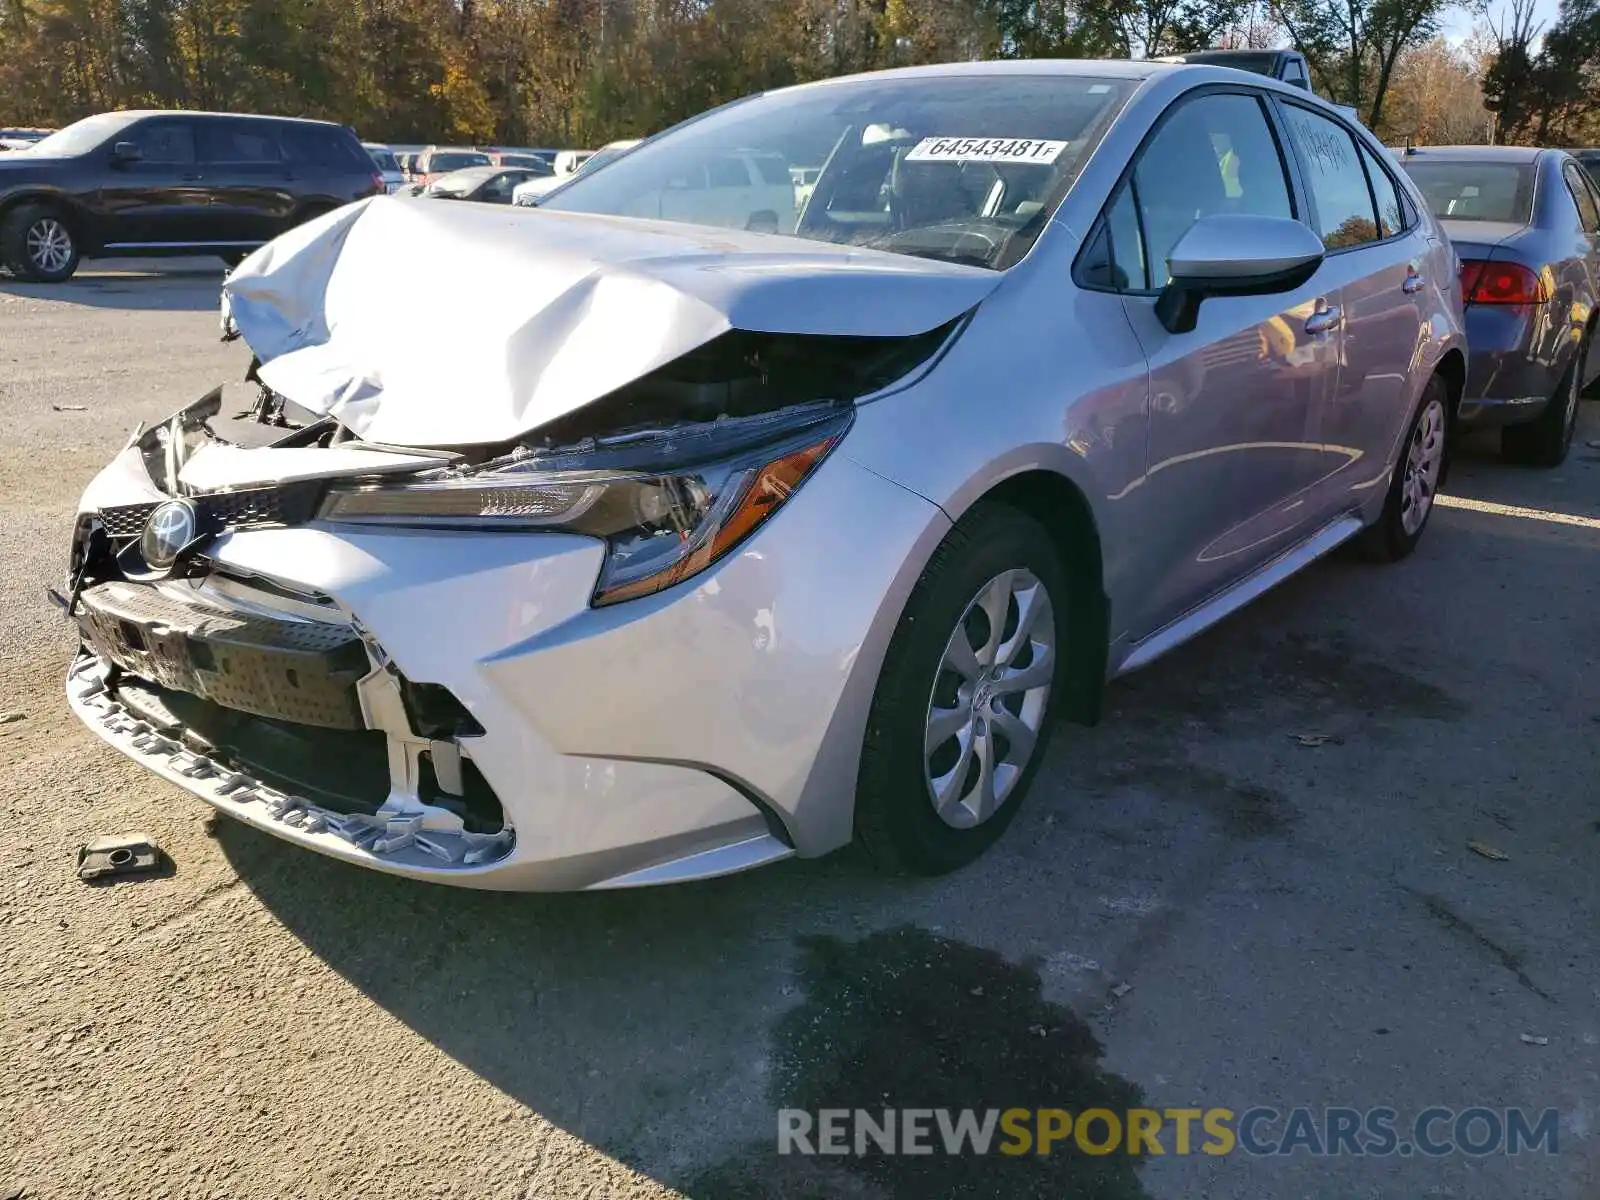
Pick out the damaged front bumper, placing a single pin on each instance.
(449, 705)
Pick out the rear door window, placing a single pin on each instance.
(238, 143)
(1345, 215)
(1391, 213)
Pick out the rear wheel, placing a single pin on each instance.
(961, 717)
(1409, 504)
(1545, 442)
(37, 244)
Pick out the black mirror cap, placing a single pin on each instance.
(1178, 305)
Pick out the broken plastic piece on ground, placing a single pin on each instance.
(1487, 851)
(1121, 990)
(127, 854)
(1318, 739)
(1529, 1039)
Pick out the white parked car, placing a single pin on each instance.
(393, 177)
(742, 189)
(528, 194)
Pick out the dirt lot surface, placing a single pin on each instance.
(1196, 909)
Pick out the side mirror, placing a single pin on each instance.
(1235, 254)
(124, 153)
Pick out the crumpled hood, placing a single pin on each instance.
(422, 323)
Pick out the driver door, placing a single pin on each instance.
(1235, 404)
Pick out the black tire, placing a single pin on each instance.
(1387, 539)
(895, 817)
(1544, 442)
(310, 213)
(37, 243)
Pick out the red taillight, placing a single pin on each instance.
(1500, 283)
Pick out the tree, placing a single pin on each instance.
(1353, 46)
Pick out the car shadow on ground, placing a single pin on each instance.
(138, 285)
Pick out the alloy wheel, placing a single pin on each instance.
(989, 698)
(1424, 460)
(48, 245)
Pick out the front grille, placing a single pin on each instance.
(126, 520)
(248, 508)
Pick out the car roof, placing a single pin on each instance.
(135, 113)
(1510, 154)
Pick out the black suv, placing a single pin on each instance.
(156, 183)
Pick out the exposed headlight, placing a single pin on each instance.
(668, 504)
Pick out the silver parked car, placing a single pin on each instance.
(636, 550)
(1526, 225)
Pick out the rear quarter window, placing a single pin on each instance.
(325, 146)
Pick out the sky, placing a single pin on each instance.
(1458, 23)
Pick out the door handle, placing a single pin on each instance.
(1325, 320)
(1413, 283)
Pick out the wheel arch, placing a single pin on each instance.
(1063, 509)
(1452, 368)
(72, 213)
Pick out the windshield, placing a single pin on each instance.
(962, 168)
(1476, 191)
(385, 160)
(84, 135)
(449, 160)
(601, 157)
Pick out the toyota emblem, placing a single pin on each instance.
(170, 528)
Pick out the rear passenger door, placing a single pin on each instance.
(1378, 260)
(248, 179)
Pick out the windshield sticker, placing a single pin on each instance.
(986, 150)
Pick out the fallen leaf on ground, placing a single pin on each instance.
(1318, 739)
(1488, 851)
(1529, 1039)
(1121, 990)
(12, 716)
(70, 407)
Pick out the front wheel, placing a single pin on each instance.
(961, 716)
(1409, 503)
(38, 244)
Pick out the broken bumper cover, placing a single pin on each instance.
(409, 840)
(708, 728)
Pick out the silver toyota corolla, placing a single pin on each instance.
(1526, 224)
(640, 550)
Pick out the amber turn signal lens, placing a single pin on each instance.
(768, 490)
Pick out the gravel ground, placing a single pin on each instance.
(1195, 909)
